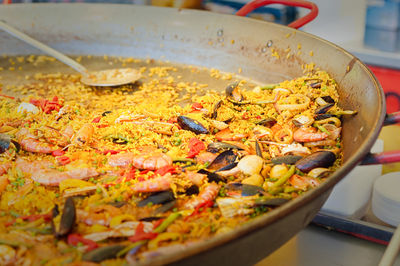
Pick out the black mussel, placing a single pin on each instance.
(270, 202)
(287, 159)
(67, 218)
(150, 219)
(120, 141)
(214, 113)
(157, 198)
(323, 109)
(106, 113)
(232, 92)
(322, 116)
(316, 159)
(5, 141)
(165, 207)
(191, 125)
(316, 84)
(328, 99)
(223, 159)
(245, 189)
(267, 122)
(212, 177)
(258, 149)
(118, 204)
(192, 190)
(215, 147)
(227, 167)
(103, 253)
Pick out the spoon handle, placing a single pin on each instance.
(23, 37)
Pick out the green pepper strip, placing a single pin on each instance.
(269, 87)
(161, 228)
(172, 217)
(285, 177)
(322, 128)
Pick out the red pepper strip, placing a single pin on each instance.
(74, 239)
(33, 217)
(63, 160)
(131, 174)
(102, 126)
(58, 153)
(196, 211)
(197, 106)
(96, 119)
(111, 151)
(46, 105)
(157, 223)
(166, 169)
(141, 235)
(195, 146)
(10, 97)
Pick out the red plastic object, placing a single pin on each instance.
(246, 9)
(390, 81)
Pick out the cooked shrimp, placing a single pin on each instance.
(41, 173)
(207, 194)
(7, 255)
(227, 134)
(160, 183)
(98, 215)
(151, 159)
(4, 168)
(52, 177)
(53, 136)
(302, 182)
(121, 159)
(205, 157)
(84, 134)
(196, 178)
(308, 134)
(29, 142)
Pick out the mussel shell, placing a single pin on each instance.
(258, 149)
(103, 253)
(5, 141)
(150, 219)
(324, 109)
(287, 159)
(119, 141)
(212, 177)
(157, 198)
(316, 84)
(67, 218)
(328, 99)
(191, 125)
(192, 190)
(106, 113)
(165, 207)
(316, 159)
(322, 116)
(214, 147)
(270, 202)
(227, 167)
(246, 190)
(232, 92)
(267, 122)
(214, 113)
(223, 159)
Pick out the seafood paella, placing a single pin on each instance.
(120, 175)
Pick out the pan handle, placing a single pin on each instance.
(246, 9)
(387, 156)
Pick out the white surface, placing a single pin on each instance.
(386, 198)
(350, 196)
(343, 23)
